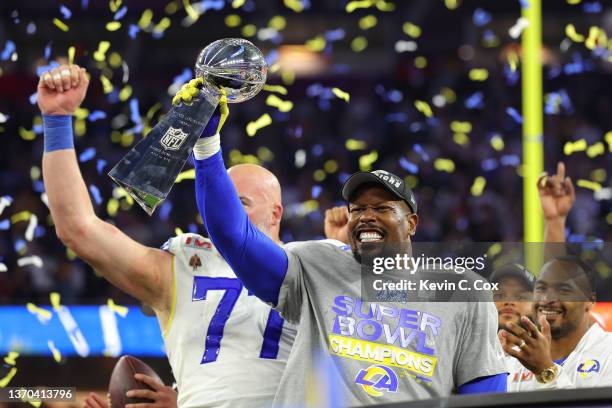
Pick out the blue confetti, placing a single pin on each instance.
(19, 245)
(66, 13)
(95, 192)
(592, 8)
(95, 115)
(317, 149)
(87, 154)
(164, 211)
(120, 13)
(524, 4)
(135, 112)
(133, 31)
(419, 150)
(462, 223)
(183, 77)
(315, 191)
(48, 50)
(314, 90)
(44, 68)
(37, 129)
(272, 57)
(408, 165)
(341, 68)
(113, 96)
(100, 165)
(342, 177)
(39, 231)
(416, 126)
(335, 35)
(566, 102)
(4, 225)
(38, 186)
(513, 113)
(475, 101)
(512, 76)
(193, 228)
(31, 28)
(324, 104)
(33, 98)
(510, 160)
(481, 17)
(489, 164)
(9, 49)
(84, 4)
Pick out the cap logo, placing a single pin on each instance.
(383, 175)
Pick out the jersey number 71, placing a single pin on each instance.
(232, 288)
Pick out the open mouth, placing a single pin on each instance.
(550, 313)
(367, 236)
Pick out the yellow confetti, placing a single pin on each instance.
(420, 62)
(366, 161)
(341, 94)
(573, 2)
(319, 175)
(55, 298)
(264, 154)
(599, 175)
(20, 216)
(263, 121)
(452, 4)
(70, 254)
(461, 139)
(185, 175)
(596, 150)
(424, 108)
(354, 144)
(278, 23)
(497, 143)
(145, 19)
(125, 93)
(127, 138)
(354, 5)
(71, 51)
(113, 26)
(80, 127)
(8, 377)
(573, 147)
(35, 172)
(316, 44)
(106, 84)
(60, 24)
(330, 166)
(295, 5)
(288, 77)
(112, 206)
(114, 5)
(238, 3)
(44, 314)
(81, 113)
(411, 181)
(494, 250)
(478, 186)
(609, 218)
(163, 25)
(120, 310)
(570, 32)
(276, 102)
(57, 356)
(446, 165)
(100, 54)
(26, 134)
(359, 43)
(591, 41)
(191, 12)
(591, 185)
(178, 231)
(382, 5)
(275, 88)
(461, 127)
(367, 22)
(448, 94)
(249, 30)
(171, 7)
(233, 20)
(608, 139)
(411, 29)
(11, 357)
(479, 74)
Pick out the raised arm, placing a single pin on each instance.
(557, 197)
(143, 272)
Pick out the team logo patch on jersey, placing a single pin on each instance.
(173, 138)
(196, 243)
(195, 262)
(589, 368)
(377, 379)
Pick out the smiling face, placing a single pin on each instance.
(562, 294)
(377, 217)
(512, 301)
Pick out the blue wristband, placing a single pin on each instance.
(58, 132)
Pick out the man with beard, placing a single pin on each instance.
(382, 352)
(569, 350)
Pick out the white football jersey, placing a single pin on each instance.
(589, 365)
(226, 347)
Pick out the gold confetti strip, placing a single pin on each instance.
(145, 19)
(60, 24)
(276, 102)
(120, 310)
(330, 166)
(411, 30)
(20, 216)
(114, 5)
(461, 127)
(366, 161)
(359, 43)
(591, 185)
(238, 3)
(81, 113)
(163, 25)
(233, 20)
(452, 4)
(573, 147)
(71, 51)
(8, 377)
(367, 22)
(125, 93)
(420, 62)
(107, 86)
(249, 30)
(319, 175)
(478, 186)
(424, 108)
(264, 154)
(275, 88)
(497, 143)
(596, 150)
(263, 121)
(44, 314)
(599, 175)
(57, 356)
(446, 165)
(479, 74)
(494, 250)
(461, 139)
(193, 15)
(570, 32)
(341, 94)
(354, 5)
(316, 44)
(11, 357)
(295, 5)
(112, 206)
(100, 54)
(278, 23)
(171, 7)
(354, 144)
(573, 2)
(55, 298)
(608, 139)
(26, 134)
(178, 231)
(185, 175)
(113, 26)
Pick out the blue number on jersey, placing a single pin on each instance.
(232, 288)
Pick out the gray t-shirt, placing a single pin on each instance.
(380, 352)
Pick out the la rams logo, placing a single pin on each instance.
(173, 138)
(377, 378)
(588, 368)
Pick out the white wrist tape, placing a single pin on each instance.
(206, 147)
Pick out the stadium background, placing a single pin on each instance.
(429, 89)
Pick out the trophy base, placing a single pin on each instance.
(145, 199)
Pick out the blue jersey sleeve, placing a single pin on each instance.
(258, 261)
(491, 383)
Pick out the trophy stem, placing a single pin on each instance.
(150, 168)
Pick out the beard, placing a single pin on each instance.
(563, 329)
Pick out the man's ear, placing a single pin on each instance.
(413, 221)
(277, 214)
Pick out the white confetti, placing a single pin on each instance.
(29, 234)
(44, 199)
(403, 46)
(603, 194)
(30, 260)
(3, 117)
(5, 202)
(3, 267)
(516, 30)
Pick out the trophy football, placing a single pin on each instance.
(150, 169)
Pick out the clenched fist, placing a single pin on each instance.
(336, 224)
(61, 90)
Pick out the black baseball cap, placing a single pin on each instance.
(516, 271)
(389, 181)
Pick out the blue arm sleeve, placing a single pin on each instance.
(258, 261)
(491, 383)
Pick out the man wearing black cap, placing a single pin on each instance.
(514, 297)
(381, 352)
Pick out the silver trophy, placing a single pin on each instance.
(150, 169)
